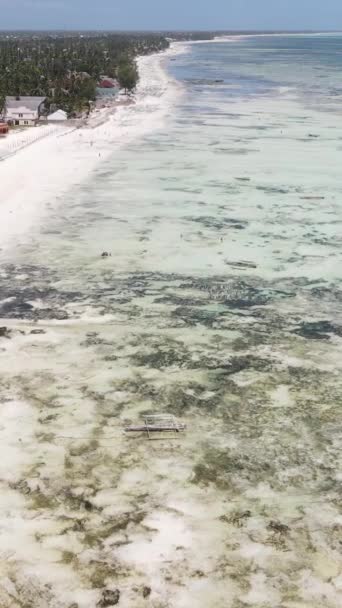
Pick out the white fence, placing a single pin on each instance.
(15, 141)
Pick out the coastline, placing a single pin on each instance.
(242, 509)
(39, 168)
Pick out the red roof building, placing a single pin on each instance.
(107, 83)
(3, 128)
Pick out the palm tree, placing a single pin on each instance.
(51, 65)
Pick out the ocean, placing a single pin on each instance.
(218, 199)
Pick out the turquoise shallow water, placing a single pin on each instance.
(220, 303)
(251, 66)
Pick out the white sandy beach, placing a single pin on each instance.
(40, 164)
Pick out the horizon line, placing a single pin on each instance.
(176, 30)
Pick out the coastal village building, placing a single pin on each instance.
(108, 83)
(24, 111)
(58, 116)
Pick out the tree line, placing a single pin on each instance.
(66, 68)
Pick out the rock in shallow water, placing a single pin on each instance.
(109, 598)
(5, 332)
(146, 591)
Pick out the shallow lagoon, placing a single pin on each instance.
(245, 508)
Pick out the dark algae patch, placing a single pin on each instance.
(218, 223)
(318, 330)
(224, 469)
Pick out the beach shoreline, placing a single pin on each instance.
(40, 166)
(219, 302)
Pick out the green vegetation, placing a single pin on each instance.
(67, 67)
(127, 75)
(193, 35)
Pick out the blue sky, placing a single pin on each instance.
(171, 14)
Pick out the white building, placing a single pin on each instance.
(58, 116)
(24, 110)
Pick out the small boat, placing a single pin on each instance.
(161, 423)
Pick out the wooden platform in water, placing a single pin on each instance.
(161, 423)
